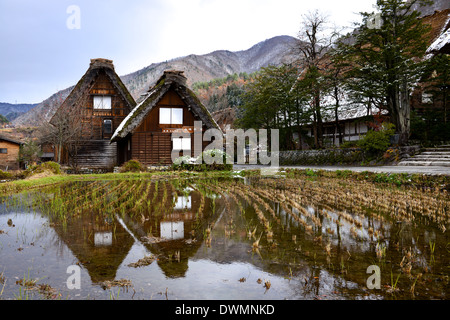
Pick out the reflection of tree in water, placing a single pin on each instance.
(173, 226)
(337, 230)
(317, 233)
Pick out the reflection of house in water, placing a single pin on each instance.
(173, 228)
(99, 244)
(170, 227)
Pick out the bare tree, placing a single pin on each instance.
(66, 132)
(316, 37)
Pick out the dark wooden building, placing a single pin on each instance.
(9, 153)
(169, 106)
(90, 114)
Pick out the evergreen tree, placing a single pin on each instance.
(385, 57)
(272, 101)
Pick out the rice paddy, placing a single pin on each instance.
(255, 237)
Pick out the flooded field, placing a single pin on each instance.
(225, 238)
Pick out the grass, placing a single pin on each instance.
(390, 179)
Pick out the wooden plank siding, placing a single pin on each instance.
(149, 144)
(96, 154)
(91, 145)
(151, 147)
(9, 155)
(96, 151)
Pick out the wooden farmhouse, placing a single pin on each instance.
(103, 127)
(9, 153)
(168, 107)
(90, 114)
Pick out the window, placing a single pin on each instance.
(3, 150)
(171, 115)
(107, 126)
(181, 143)
(102, 102)
(427, 97)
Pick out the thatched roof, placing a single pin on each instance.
(5, 138)
(88, 80)
(440, 32)
(171, 79)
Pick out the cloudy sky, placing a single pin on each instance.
(46, 45)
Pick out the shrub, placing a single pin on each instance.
(132, 166)
(54, 167)
(49, 166)
(375, 143)
(194, 164)
(184, 159)
(4, 175)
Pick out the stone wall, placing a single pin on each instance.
(349, 156)
(321, 157)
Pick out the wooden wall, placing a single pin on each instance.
(10, 159)
(149, 143)
(96, 151)
(117, 113)
(96, 154)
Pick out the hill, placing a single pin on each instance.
(11, 111)
(197, 68)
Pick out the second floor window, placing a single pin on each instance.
(171, 115)
(102, 102)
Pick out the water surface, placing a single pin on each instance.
(258, 238)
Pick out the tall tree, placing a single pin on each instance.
(386, 58)
(272, 101)
(316, 37)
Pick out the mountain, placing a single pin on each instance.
(11, 111)
(436, 5)
(217, 64)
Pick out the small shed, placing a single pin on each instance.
(168, 107)
(9, 153)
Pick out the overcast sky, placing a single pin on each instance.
(46, 45)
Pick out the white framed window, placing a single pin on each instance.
(102, 102)
(181, 143)
(177, 116)
(171, 115)
(172, 230)
(183, 202)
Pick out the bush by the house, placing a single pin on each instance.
(50, 166)
(4, 175)
(375, 143)
(204, 162)
(133, 166)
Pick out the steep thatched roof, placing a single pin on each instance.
(88, 80)
(5, 138)
(440, 31)
(169, 80)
